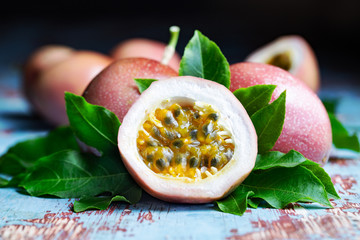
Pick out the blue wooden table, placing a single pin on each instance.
(26, 217)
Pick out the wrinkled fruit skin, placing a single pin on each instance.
(305, 66)
(307, 126)
(73, 75)
(144, 48)
(184, 190)
(114, 88)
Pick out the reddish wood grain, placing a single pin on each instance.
(49, 227)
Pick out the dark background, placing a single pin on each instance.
(238, 27)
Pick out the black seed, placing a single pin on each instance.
(207, 128)
(215, 161)
(170, 120)
(160, 164)
(193, 162)
(213, 116)
(178, 143)
(205, 161)
(193, 134)
(167, 120)
(156, 131)
(196, 115)
(169, 135)
(150, 157)
(178, 159)
(177, 112)
(151, 143)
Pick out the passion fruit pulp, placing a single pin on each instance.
(188, 140)
(185, 141)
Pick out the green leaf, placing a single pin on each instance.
(16, 180)
(132, 195)
(100, 203)
(203, 58)
(59, 139)
(70, 174)
(281, 186)
(236, 203)
(292, 159)
(341, 137)
(255, 98)
(280, 179)
(325, 179)
(268, 123)
(330, 105)
(278, 159)
(3, 182)
(24, 154)
(254, 202)
(94, 125)
(143, 83)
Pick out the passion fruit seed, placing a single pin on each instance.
(156, 131)
(214, 162)
(177, 111)
(178, 143)
(190, 138)
(151, 143)
(150, 157)
(193, 134)
(160, 164)
(208, 128)
(179, 158)
(196, 115)
(193, 162)
(213, 116)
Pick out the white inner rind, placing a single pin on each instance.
(279, 46)
(183, 189)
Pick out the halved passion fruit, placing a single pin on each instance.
(188, 140)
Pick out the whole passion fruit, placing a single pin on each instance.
(188, 140)
(115, 88)
(307, 126)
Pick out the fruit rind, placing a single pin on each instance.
(183, 189)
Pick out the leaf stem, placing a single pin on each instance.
(170, 48)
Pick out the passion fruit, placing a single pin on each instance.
(307, 126)
(114, 88)
(188, 140)
(145, 48)
(293, 54)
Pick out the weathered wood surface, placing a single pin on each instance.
(26, 217)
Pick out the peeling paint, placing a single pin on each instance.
(124, 213)
(145, 216)
(49, 227)
(346, 183)
(298, 228)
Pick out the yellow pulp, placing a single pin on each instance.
(185, 141)
(282, 60)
